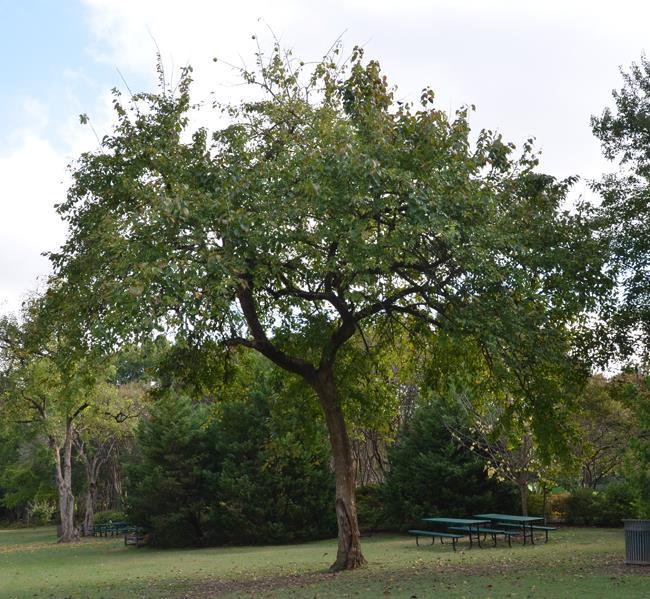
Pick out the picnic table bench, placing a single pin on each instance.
(523, 523)
(546, 529)
(468, 525)
(112, 528)
(134, 536)
(493, 532)
(434, 535)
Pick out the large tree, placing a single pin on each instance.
(322, 206)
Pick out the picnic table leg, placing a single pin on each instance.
(532, 537)
(478, 535)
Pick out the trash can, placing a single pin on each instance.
(637, 542)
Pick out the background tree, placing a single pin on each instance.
(37, 392)
(107, 424)
(168, 479)
(251, 467)
(324, 206)
(625, 137)
(606, 424)
(432, 473)
(27, 490)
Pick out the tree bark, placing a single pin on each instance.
(63, 465)
(349, 554)
(93, 464)
(91, 503)
(523, 493)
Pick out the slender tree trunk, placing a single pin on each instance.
(523, 493)
(93, 463)
(116, 483)
(63, 465)
(349, 554)
(91, 503)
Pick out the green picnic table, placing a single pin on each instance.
(524, 522)
(471, 525)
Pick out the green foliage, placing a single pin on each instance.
(168, 485)
(431, 474)
(323, 205)
(600, 508)
(269, 488)
(106, 516)
(252, 468)
(632, 390)
(625, 137)
(370, 508)
(26, 477)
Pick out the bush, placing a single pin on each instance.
(601, 508)
(272, 485)
(432, 475)
(618, 504)
(168, 482)
(41, 512)
(109, 516)
(558, 507)
(244, 475)
(370, 508)
(583, 506)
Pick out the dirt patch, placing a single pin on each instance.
(259, 585)
(611, 565)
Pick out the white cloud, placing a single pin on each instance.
(532, 68)
(32, 178)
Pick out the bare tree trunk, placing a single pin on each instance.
(349, 554)
(93, 463)
(63, 465)
(523, 493)
(116, 483)
(89, 513)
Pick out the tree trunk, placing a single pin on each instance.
(523, 493)
(93, 462)
(63, 465)
(349, 554)
(91, 503)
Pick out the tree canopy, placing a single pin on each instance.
(625, 136)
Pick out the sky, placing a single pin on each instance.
(531, 68)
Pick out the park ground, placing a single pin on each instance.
(575, 563)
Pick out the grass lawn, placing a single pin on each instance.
(575, 563)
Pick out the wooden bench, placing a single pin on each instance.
(434, 535)
(507, 534)
(533, 527)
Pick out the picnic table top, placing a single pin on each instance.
(461, 521)
(509, 518)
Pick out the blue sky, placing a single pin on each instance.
(42, 43)
(532, 67)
